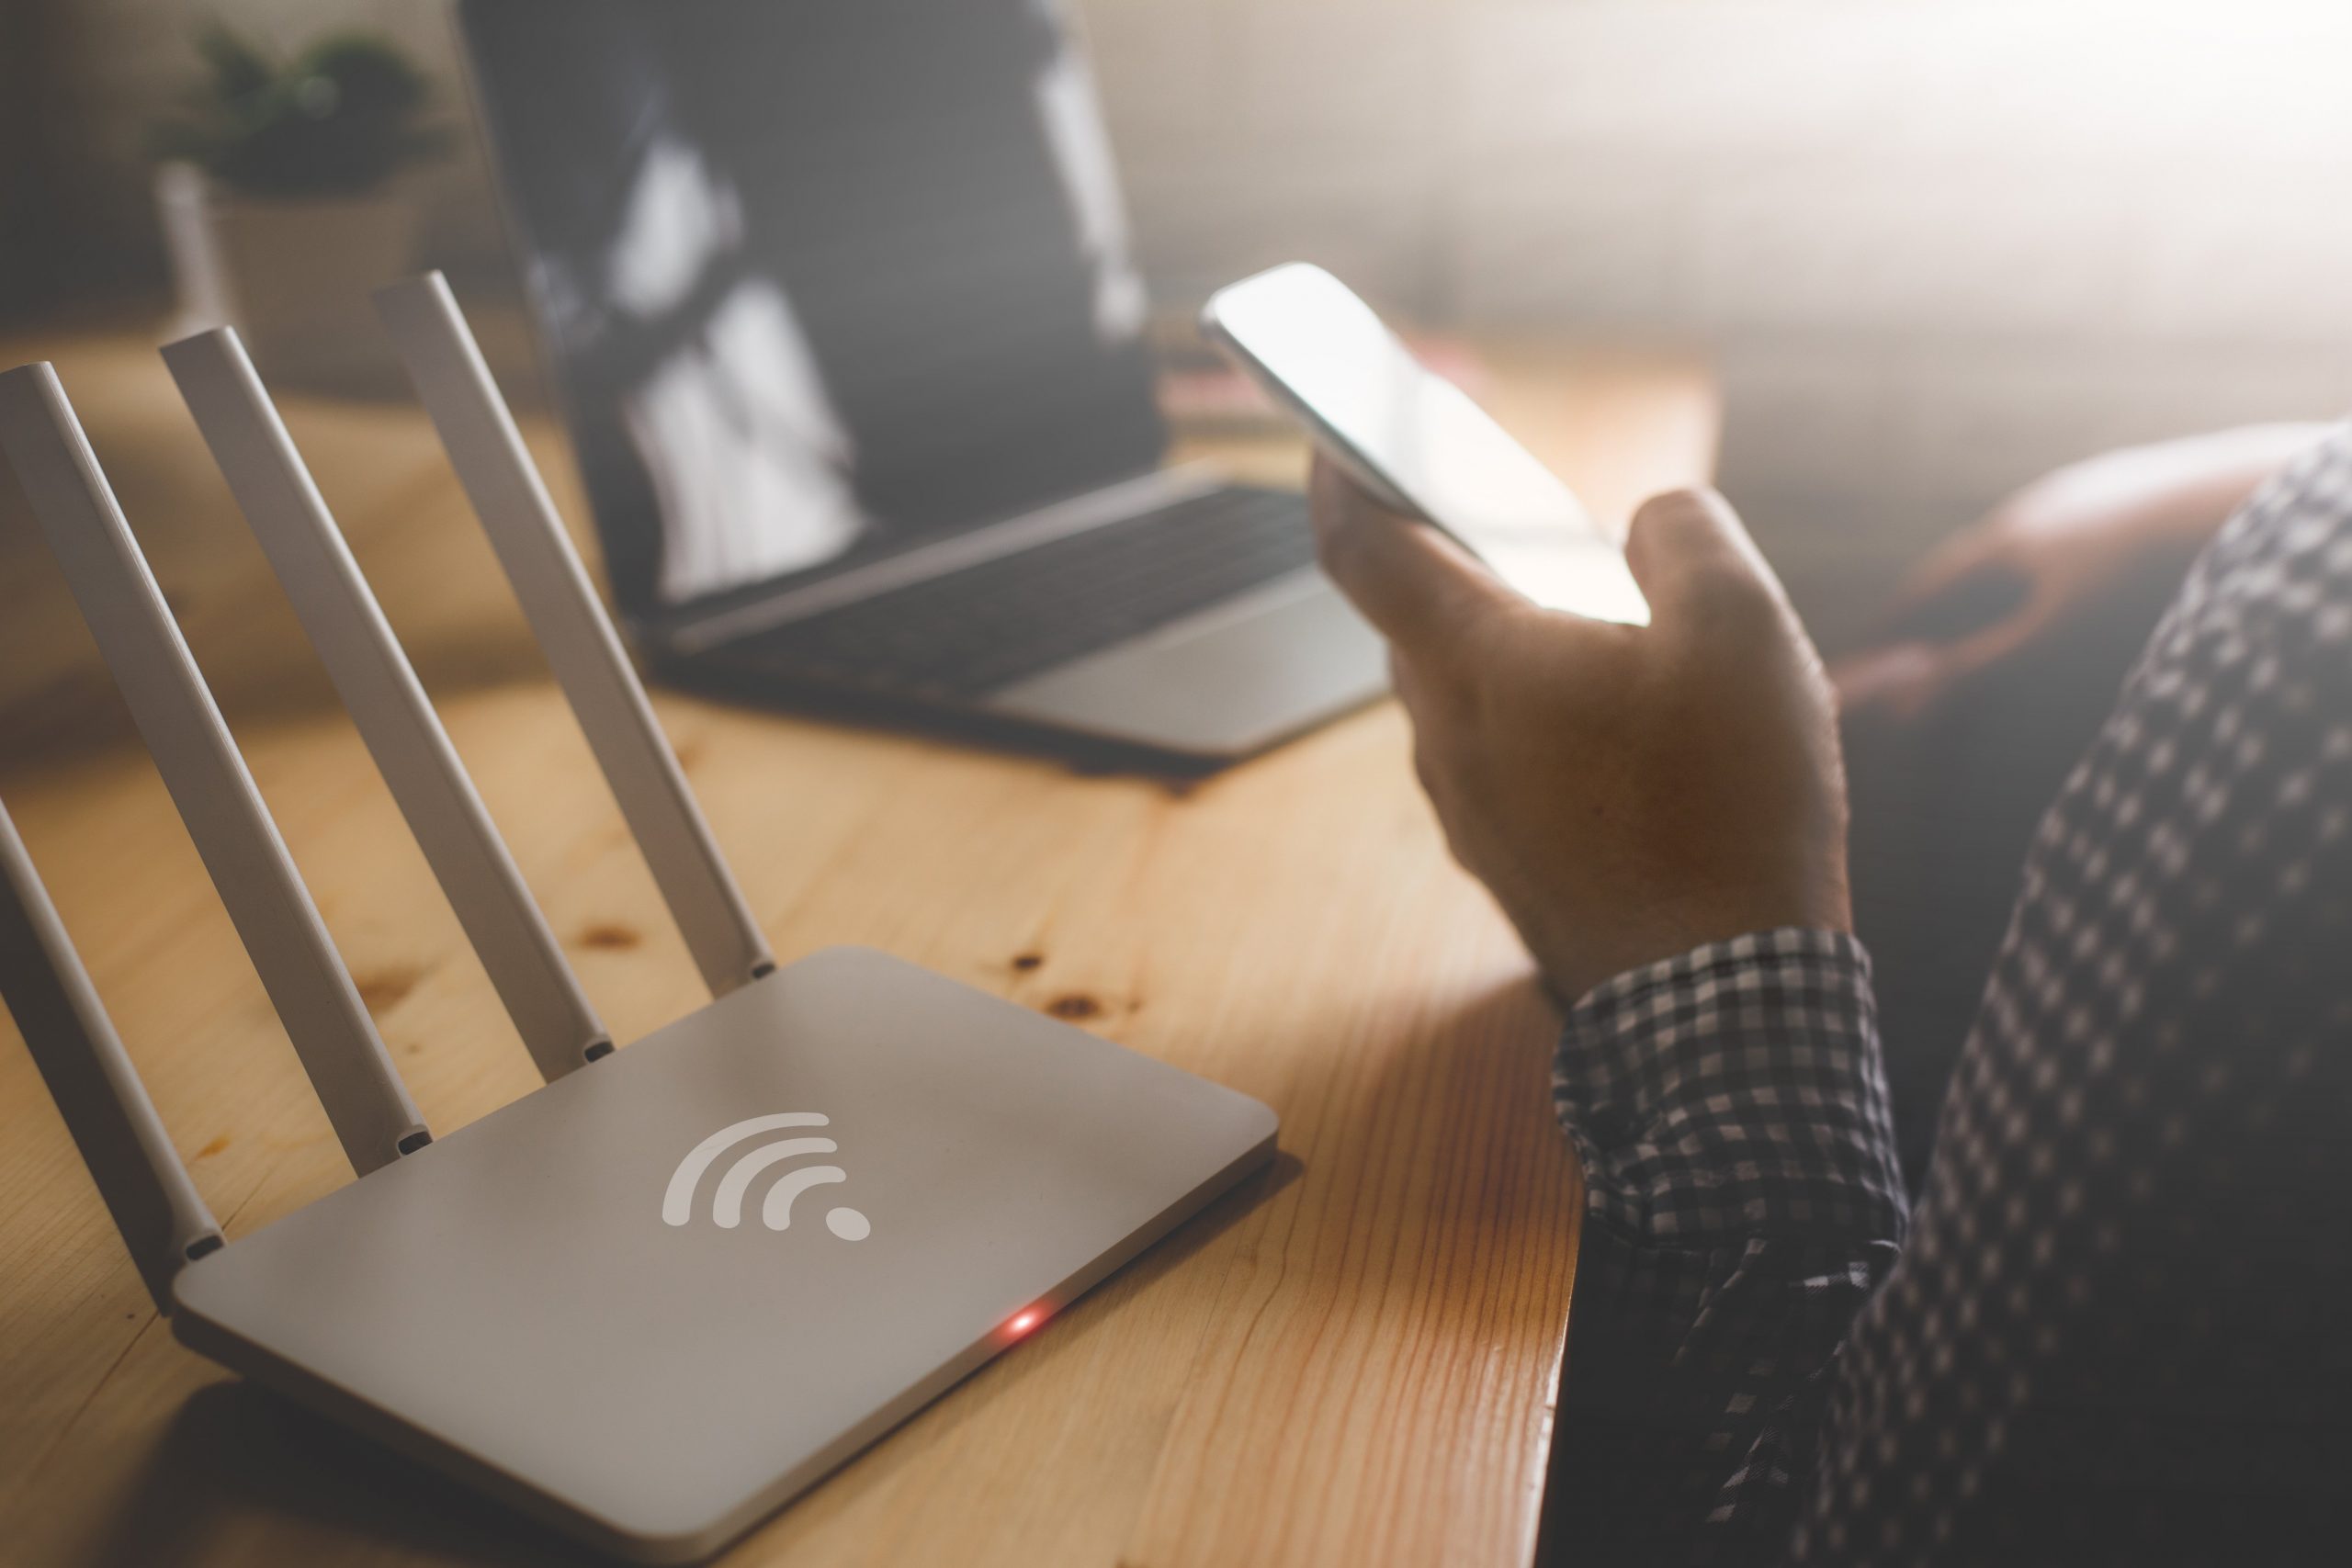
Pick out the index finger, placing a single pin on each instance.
(1415, 585)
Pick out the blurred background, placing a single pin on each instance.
(1932, 246)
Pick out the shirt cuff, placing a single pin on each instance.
(1732, 1092)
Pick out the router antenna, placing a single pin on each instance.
(205, 774)
(106, 1107)
(340, 616)
(512, 502)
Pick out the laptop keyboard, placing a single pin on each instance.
(987, 625)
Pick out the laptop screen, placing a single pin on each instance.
(820, 279)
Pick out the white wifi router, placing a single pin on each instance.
(654, 1300)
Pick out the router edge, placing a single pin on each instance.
(652, 1301)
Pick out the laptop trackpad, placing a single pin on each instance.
(1228, 681)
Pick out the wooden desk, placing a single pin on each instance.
(1350, 1361)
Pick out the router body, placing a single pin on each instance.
(653, 1300)
(513, 1305)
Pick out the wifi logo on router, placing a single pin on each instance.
(775, 1210)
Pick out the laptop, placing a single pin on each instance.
(840, 304)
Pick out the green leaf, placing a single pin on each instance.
(338, 119)
(238, 65)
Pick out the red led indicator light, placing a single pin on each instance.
(1025, 1320)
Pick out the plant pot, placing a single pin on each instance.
(293, 276)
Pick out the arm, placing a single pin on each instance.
(1742, 1203)
(2107, 537)
(2115, 1332)
(1661, 812)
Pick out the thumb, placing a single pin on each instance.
(1692, 556)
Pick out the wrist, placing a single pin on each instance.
(1645, 931)
(1677, 1082)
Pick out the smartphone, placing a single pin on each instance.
(1415, 441)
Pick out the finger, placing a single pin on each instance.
(1418, 587)
(1911, 680)
(1428, 715)
(1995, 644)
(1888, 677)
(1401, 679)
(1432, 692)
(1691, 553)
(1949, 565)
(1983, 596)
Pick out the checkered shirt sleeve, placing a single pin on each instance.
(1741, 1198)
(2111, 1331)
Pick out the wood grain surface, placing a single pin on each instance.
(1350, 1362)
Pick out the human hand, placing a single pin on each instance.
(2056, 552)
(1626, 793)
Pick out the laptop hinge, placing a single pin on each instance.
(1112, 503)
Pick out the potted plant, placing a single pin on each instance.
(281, 200)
